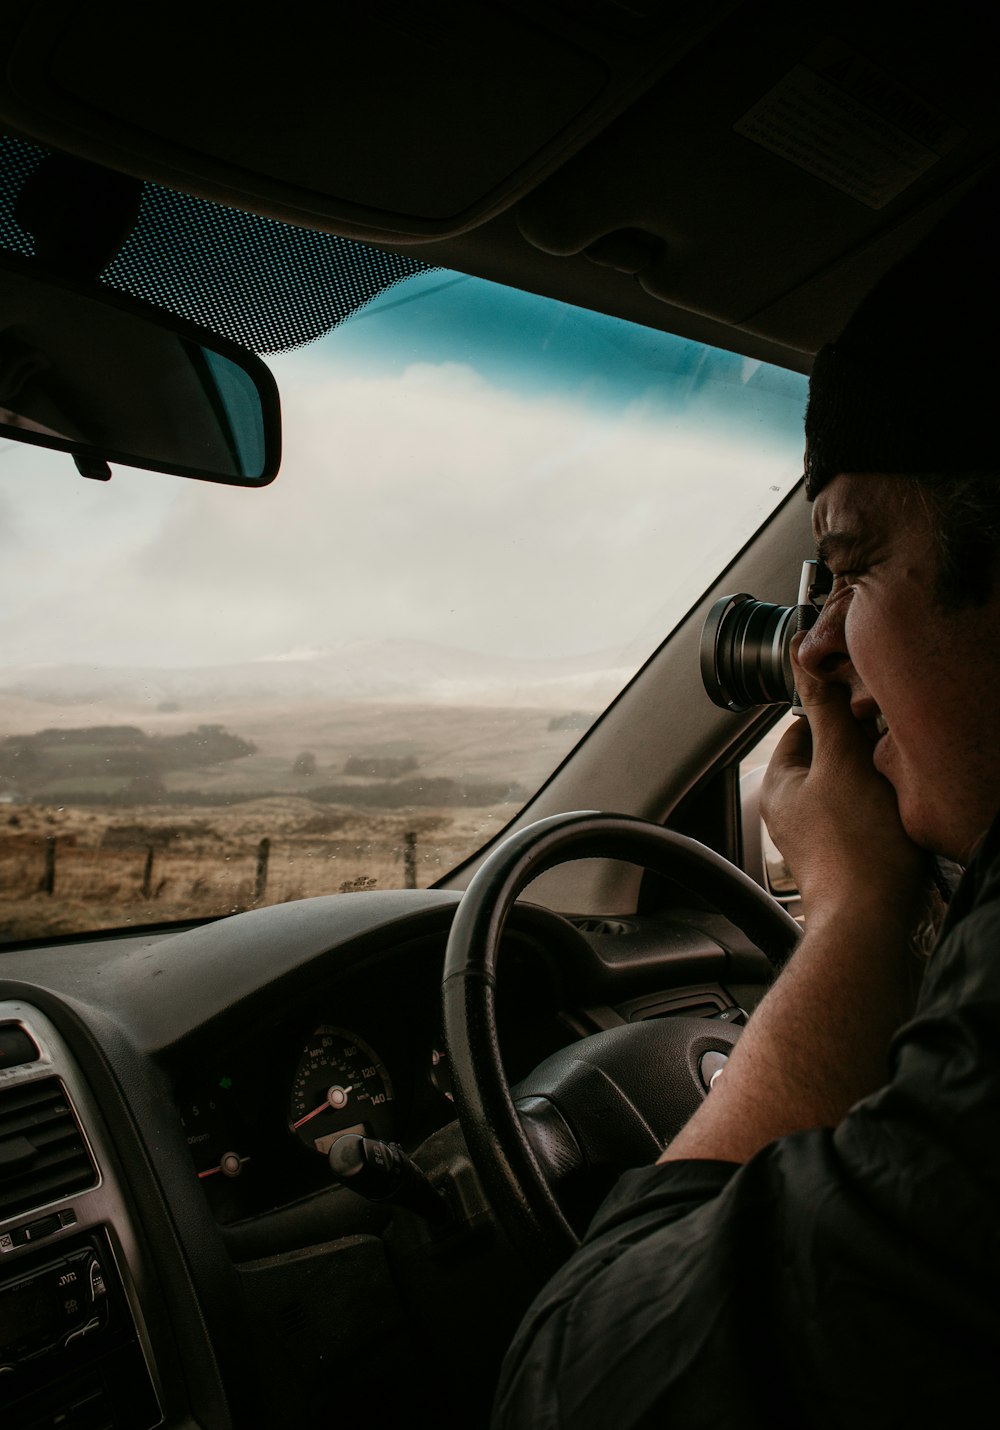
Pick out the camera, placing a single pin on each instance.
(746, 657)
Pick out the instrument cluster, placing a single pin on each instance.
(262, 1108)
(259, 1141)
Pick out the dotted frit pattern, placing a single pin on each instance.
(268, 286)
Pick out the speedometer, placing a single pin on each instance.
(340, 1085)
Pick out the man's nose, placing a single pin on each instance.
(823, 652)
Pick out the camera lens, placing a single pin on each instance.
(745, 653)
(746, 645)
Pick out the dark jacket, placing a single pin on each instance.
(846, 1277)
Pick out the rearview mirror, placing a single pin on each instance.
(112, 379)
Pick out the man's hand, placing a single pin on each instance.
(818, 1041)
(832, 815)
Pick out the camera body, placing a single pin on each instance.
(746, 657)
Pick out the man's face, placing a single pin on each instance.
(924, 681)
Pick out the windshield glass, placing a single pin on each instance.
(491, 509)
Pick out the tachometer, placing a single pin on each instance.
(210, 1134)
(339, 1086)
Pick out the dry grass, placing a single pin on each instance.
(204, 861)
(205, 855)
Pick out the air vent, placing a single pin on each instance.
(16, 1048)
(42, 1152)
(615, 928)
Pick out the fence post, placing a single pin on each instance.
(147, 874)
(48, 884)
(260, 885)
(410, 860)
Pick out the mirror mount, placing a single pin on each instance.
(95, 469)
(79, 214)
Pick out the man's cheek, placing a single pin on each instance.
(858, 641)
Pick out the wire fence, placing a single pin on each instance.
(270, 871)
(54, 883)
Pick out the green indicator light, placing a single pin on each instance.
(225, 1082)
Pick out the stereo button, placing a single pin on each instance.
(97, 1286)
(92, 1325)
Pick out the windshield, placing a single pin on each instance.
(491, 509)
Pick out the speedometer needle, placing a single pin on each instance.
(337, 1097)
(231, 1164)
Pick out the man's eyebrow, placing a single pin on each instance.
(832, 543)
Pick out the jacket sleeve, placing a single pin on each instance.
(842, 1277)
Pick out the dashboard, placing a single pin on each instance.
(208, 1071)
(364, 1053)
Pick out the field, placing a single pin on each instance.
(105, 825)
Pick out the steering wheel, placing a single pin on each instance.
(611, 1100)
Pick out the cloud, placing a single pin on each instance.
(428, 505)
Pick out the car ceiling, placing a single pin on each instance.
(737, 173)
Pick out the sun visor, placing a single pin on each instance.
(778, 159)
(346, 120)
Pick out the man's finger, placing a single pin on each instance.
(795, 746)
(827, 706)
(818, 695)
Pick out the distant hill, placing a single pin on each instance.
(405, 671)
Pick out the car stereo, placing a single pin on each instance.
(68, 1347)
(50, 1307)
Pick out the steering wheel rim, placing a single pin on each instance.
(497, 1143)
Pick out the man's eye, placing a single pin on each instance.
(845, 579)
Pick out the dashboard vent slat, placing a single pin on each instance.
(43, 1155)
(615, 928)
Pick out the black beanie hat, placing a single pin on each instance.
(912, 384)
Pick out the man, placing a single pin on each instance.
(819, 1245)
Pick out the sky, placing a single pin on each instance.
(462, 464)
